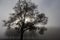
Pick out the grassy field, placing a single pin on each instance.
(52, 33)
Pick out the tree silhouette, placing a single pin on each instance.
(26, 17)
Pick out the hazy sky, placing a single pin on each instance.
(50, 7)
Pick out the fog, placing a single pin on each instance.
(50, 7)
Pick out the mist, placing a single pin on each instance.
(51, 8)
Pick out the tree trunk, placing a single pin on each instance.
(22, 32)
(21, 36)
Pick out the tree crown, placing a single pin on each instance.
(26, 12)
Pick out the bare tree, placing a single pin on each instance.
(26, 17)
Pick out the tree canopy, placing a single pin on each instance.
(26, 16)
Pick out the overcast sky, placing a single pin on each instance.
(50, 7)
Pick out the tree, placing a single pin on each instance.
(26, 17)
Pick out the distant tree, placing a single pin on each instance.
(26, 17)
